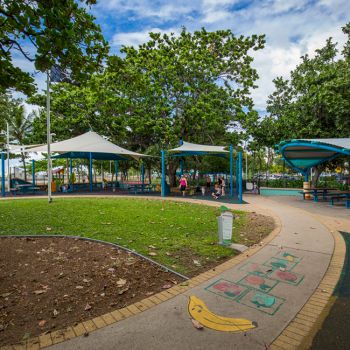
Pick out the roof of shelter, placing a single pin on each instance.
(302, 154)
(90, 142)
(188, 148)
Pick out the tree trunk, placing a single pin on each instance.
(173, 165)
(24, 166)
(316, 174)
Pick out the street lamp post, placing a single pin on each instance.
(8, 157)
(48, 124)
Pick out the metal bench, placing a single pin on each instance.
(341, 197)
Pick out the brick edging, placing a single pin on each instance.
(301, 331)
(47, 339)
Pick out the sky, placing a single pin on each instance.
(292, 28)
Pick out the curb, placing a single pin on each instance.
(47, 339)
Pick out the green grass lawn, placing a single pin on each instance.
(180, 232)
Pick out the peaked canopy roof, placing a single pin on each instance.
(303, 154)
(188, 148)
(90, 142)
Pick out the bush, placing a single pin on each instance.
(284, 183)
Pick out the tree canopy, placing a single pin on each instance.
(194, 86)
(48, 32)
(314, 102)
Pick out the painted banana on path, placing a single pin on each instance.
(199, 311)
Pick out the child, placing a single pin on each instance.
(217, 193)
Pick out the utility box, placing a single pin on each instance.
(225, 223)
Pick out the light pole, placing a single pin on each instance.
(48, 125)
(8, 156)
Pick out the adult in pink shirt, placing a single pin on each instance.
(183, 184)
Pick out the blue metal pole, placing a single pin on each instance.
(163, 173)
(231, 171)
(240, 176)
(237, 177)
(181, 161)
(90, 169)
(306, 175)
(3, 174)
(70, 175)
(143, 176)
(33, 172)
(116, 170)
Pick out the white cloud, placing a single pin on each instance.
(137, 38)
(215, 16)
(142, 9)
(292, 27)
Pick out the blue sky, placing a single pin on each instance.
(292, 27)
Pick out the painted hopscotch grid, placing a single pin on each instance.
(266, 303)
(258, 269)
(277, 263)
(227, 289)
(289, 277)
(288, 256)
(258, 282)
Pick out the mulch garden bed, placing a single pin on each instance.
(47, 284)
(50, 283)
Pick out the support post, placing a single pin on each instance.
(163, 173)
(48, 126)
(90, 171)
(8, 157)
(116, 170)
(240, 176)
(306, 176)
(70, 175)
(237, 177)
(33, 172)
(231, 171)
(143, 176)
(3, 174)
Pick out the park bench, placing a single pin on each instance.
(24, 189)
(343, 196)
(316, 192)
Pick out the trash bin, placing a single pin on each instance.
(225, 223)
(306, 187)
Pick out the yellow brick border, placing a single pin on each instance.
(47, 339)
(302, 329)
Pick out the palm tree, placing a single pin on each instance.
(20, 124)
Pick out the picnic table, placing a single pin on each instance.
(345, 195)
(315, 192)
(139, 188)
(25, 188)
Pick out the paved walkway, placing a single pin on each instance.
(168, 325)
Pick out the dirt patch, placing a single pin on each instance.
(51, 283)
(255, 229)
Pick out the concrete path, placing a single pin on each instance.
(168, 325)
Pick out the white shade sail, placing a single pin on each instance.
(90, 142)
(193, 147)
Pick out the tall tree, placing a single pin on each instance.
(20, 123)
(313, 103)
(194, 86)
(48, 32)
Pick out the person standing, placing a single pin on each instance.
(222, 184)
(183, 184)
